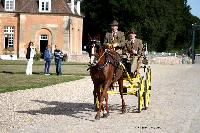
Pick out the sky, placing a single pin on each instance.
(195, 5)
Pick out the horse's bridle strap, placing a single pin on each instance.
(101, 56)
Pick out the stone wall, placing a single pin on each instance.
(169, 60)
(84, 58)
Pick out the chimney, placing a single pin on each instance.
(72, 6)
(78, 7)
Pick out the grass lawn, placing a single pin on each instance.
(13, 77)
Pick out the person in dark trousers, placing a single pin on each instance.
(58, 58)
(47, 59)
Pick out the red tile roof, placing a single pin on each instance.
(32, 6)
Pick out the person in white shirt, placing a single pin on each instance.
(29, 56)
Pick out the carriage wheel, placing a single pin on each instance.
(140, 94)
(146, 96)
(148, 78)
(140, 100)
(149, 73)
(147, 88)
(142, 81)
(97, 103)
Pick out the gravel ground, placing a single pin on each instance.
(68, 107)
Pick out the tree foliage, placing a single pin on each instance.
(164, 24)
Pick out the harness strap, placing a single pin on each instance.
(102, 66)
(115, 62)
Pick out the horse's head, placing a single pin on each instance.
(94, 50)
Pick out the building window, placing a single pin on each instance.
(8, 37)
(43, 37)
(45, 5)
(9, 5)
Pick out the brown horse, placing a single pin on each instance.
(105, 69)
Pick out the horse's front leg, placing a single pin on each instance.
(96, 97)
(105, 94)
(120, 82)
(105, 115)
(100, 97)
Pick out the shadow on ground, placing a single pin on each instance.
(10, 72)
(75, 110)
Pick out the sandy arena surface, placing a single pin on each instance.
(68, 107)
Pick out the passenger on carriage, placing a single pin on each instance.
(114, 39)
(132, 52)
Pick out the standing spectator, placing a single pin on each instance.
(47, 59)
(58, 58)
(29, 56)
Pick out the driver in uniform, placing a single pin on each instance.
(114, 39)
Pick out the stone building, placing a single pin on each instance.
(44, 22)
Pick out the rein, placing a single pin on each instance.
(106, 53)
(101, 56)
(100, 67)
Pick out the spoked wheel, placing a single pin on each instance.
(149, 79)
(146, 96)
(140, 95)
(140, 101)
(147, 88)
(97, 103)
(149, 74)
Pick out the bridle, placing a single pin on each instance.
(94, 49)
(95, 57)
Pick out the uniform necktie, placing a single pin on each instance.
(114, 35)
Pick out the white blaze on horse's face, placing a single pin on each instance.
(92, 58)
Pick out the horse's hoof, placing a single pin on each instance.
(106, 115)
(97, 117)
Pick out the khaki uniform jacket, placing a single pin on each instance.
(118, 38)
(129, 46)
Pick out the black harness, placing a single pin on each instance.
(114, 62)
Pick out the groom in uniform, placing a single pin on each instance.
(133, 49)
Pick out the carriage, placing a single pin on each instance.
(104, 64)
(140, 86)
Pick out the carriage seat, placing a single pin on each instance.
(127, 63)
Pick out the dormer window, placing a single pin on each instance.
(44, 5)
(9, 5)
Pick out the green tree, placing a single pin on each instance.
(164, 24)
